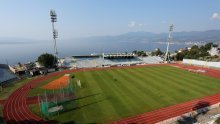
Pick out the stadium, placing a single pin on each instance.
(140, 93)
(112, 85)
(117, 88)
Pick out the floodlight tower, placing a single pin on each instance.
(53, 16)
(167, 58)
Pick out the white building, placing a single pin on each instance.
(214, 51)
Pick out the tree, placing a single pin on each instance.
(47, 60)
(157, 52)
(217, 121)
(135, 52)
(139, 53)
(181, 55)
(195, 52)
(208, 46)
(194, 47)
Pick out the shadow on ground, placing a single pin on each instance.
(31, 122)
(79, 107)
(1, 120)
(70, 122)
(75, 107)
(86, 96)
(201, 108)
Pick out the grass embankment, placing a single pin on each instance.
(108, 95)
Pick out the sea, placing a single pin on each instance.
(23, 52)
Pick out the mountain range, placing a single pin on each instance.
(145, 41)
(22, 49)
(137, 37)
(148, 37)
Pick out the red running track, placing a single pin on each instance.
(30, 100)
(175, 110)
(16, 107)
(209, 71)
(2, 101)
(168, 112)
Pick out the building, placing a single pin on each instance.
(214, 51)
(19, 69)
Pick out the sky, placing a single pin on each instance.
(29, 19)
(26, 22)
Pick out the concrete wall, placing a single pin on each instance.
(201, 63)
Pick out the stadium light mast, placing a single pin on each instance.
(53, 16)
(167, 58)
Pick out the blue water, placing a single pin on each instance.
(25, 52)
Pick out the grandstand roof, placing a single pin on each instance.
(86, 56)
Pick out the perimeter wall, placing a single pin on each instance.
(201, 63)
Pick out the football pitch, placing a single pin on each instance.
(108, 95)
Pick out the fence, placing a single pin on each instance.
(52, 101)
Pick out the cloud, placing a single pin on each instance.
(132, 24)
(215, 16)
(142, 24)
(135, 24)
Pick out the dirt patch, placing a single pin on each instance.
(58, 83)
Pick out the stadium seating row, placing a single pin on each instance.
(99, 61)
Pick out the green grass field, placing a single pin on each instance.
(109, 95)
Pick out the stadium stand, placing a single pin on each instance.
(5, 74)
(123, 61)
(89, 62)
(108, 60)
(68, 62)
(152, 59)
